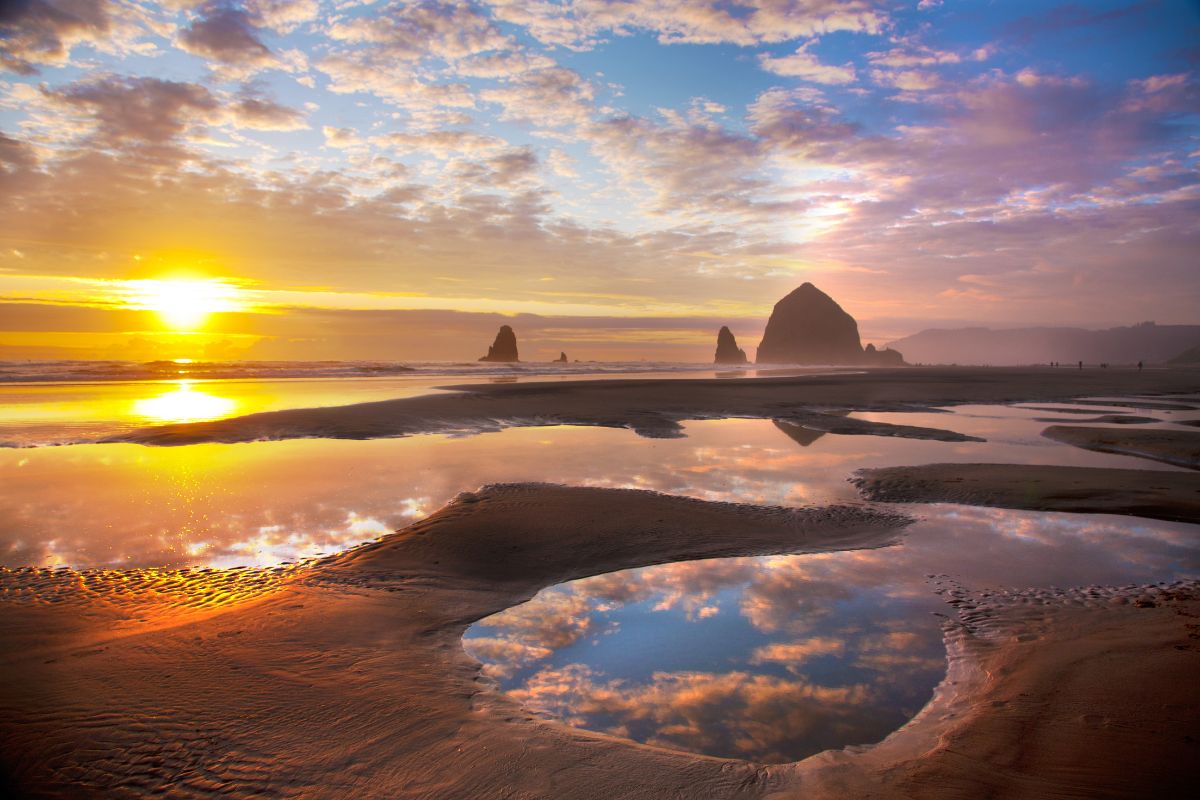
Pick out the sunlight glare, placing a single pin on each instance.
(184, 404)
(184, 304)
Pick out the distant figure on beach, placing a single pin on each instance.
(1139, 366)
(1081, 365)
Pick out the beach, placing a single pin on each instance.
(345, 675)
(126, 693)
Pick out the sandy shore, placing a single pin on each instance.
(1181, 448)
(347, 678)
(1144, 493)
(655, 408)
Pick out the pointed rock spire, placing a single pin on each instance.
(727, 349)
(504, 348)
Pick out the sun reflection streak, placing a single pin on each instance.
(184, 404)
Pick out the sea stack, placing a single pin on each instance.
(562, 358)
(882, 358)
(808, 327)
(504, 348)
(727, 350)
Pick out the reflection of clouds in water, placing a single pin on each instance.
(788, 598)
(502, 657)
(165, 501)
(551, 620)
(805, 672)
(793, 654)
(832, 648)
(280, 542)
(736, 714)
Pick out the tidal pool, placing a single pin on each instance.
(773, 659)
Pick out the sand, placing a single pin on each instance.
(1145, 493)
(1105, 419)
(655, 408)
(1181, 448)
(346, 677)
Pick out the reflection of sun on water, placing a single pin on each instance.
(185, 404)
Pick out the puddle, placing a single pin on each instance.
(773, 659)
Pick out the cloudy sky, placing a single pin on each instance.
(345, 175)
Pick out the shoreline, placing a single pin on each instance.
(655, 408)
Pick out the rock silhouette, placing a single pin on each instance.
(1189, 356)
(1145, 341)
(562, 358)
(882, 358)
(808, 327)
(504, 348)
(727, 350)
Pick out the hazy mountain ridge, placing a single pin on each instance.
(1145, 341)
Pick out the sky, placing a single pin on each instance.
(306, 179)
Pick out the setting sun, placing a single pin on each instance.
(184, 304)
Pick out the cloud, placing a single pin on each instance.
(138, 109)
(371, 72)
(1041, 180)
(443, 143)
(550, 98)
(284, 16)
(411, 32)
(807, 66)
(685, 169)
(36, 33)
(582, 24)
(511, 64)
(262, 114)
(119, 112)
(226, 33)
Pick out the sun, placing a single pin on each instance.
(184, 304)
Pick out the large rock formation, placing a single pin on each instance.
(562, 358)
(808, 327)
(882, 358)
(727, 350)
(504, 348)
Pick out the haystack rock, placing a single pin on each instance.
(808, 327)
(882, 358)
(504, 348)
(562, 358)
(727, 349)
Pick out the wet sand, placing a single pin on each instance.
(1144, 493)
(346, 677)
(655, 408)
(1180, 448)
